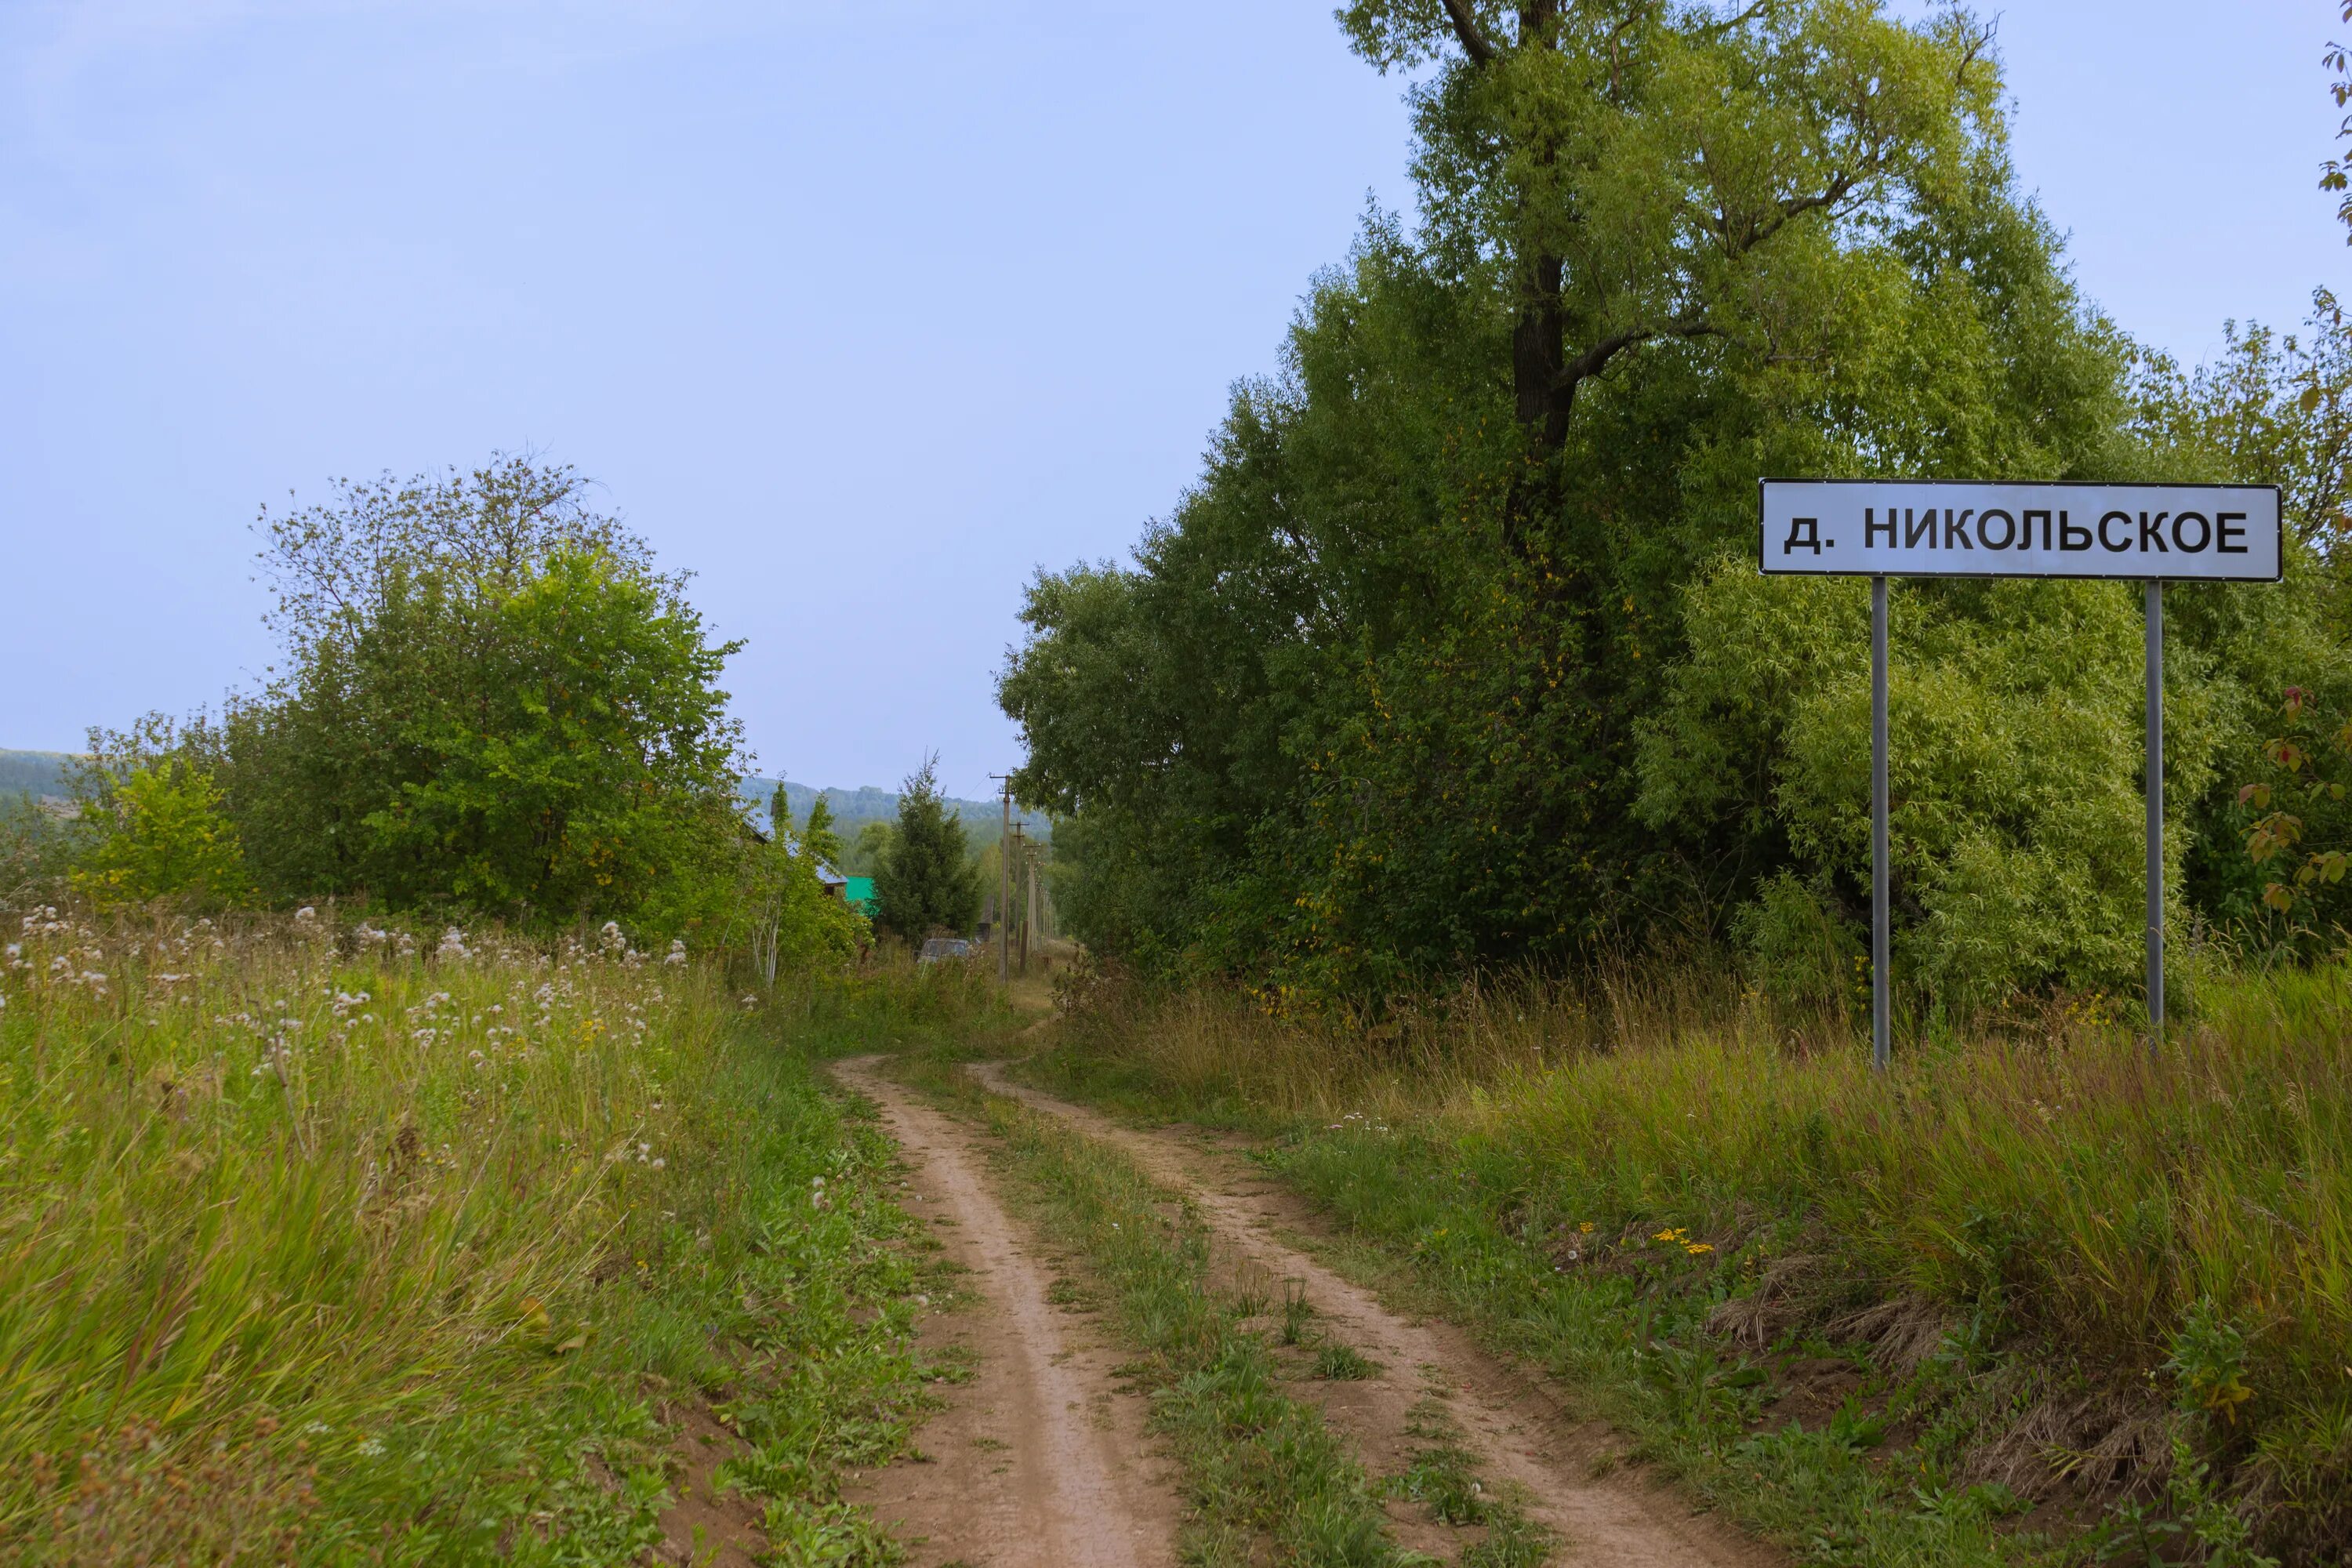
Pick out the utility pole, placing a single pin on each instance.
(1029, 926)
(1020, 844)
(1005, 887)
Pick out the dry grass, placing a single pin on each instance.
(2045, 1185)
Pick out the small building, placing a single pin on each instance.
(860, 892)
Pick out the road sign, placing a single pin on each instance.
(1959, 528)
(1965, 528)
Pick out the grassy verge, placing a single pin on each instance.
(2039, 1294)
(325, 1245)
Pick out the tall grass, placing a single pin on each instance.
(329, 1243)
(2166, 1231)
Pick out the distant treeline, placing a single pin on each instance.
(983, 820)
(34, 772)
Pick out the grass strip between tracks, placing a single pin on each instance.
(1260, 1467)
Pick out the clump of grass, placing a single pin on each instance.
(340, 1234)
(2040, 1206)
(1297, 1312)
(1335, 1362)
(1443, 1478)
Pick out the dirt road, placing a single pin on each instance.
(1522, 1437)
(1042, 1458)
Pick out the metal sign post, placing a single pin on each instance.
(1961, 528)
(1881, 1022)
(2155, 634)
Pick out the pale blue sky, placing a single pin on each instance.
(861, 311)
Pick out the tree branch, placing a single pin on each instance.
(1841, 186)
(1721, 25)
(1595, 360)
(1981, 40)
(1475, 42)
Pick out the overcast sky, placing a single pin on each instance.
(861, 311)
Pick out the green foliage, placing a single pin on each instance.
(865, 855)
(1457, 655)
(926, 883)
(2015, 714)
(792, 926)
(817, 836)
(580, 770)
(2301, 823)
(1373, 706)
(158, 831)
(490, 702)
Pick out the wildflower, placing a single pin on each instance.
(1584, 1228)
(659, 1162)
(371, 1446)
(1696, 1248)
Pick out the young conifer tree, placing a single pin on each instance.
(925, 884)
(818, 838)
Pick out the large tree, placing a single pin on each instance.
(1456, 595)
(1647, 173)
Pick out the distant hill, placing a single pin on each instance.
(852, 808)
(34, 774)
(42, 774)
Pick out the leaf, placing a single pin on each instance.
(2277, 896)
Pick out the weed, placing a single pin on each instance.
(1344, 1363)
(1296, 1311)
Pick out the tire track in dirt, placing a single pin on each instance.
(1521, 1436)
(1041, 1459)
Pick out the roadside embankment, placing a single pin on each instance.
(2038, 1291)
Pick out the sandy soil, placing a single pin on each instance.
(1521, 1434)
(1043, 1458)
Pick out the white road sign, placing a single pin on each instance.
(1959, 528)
